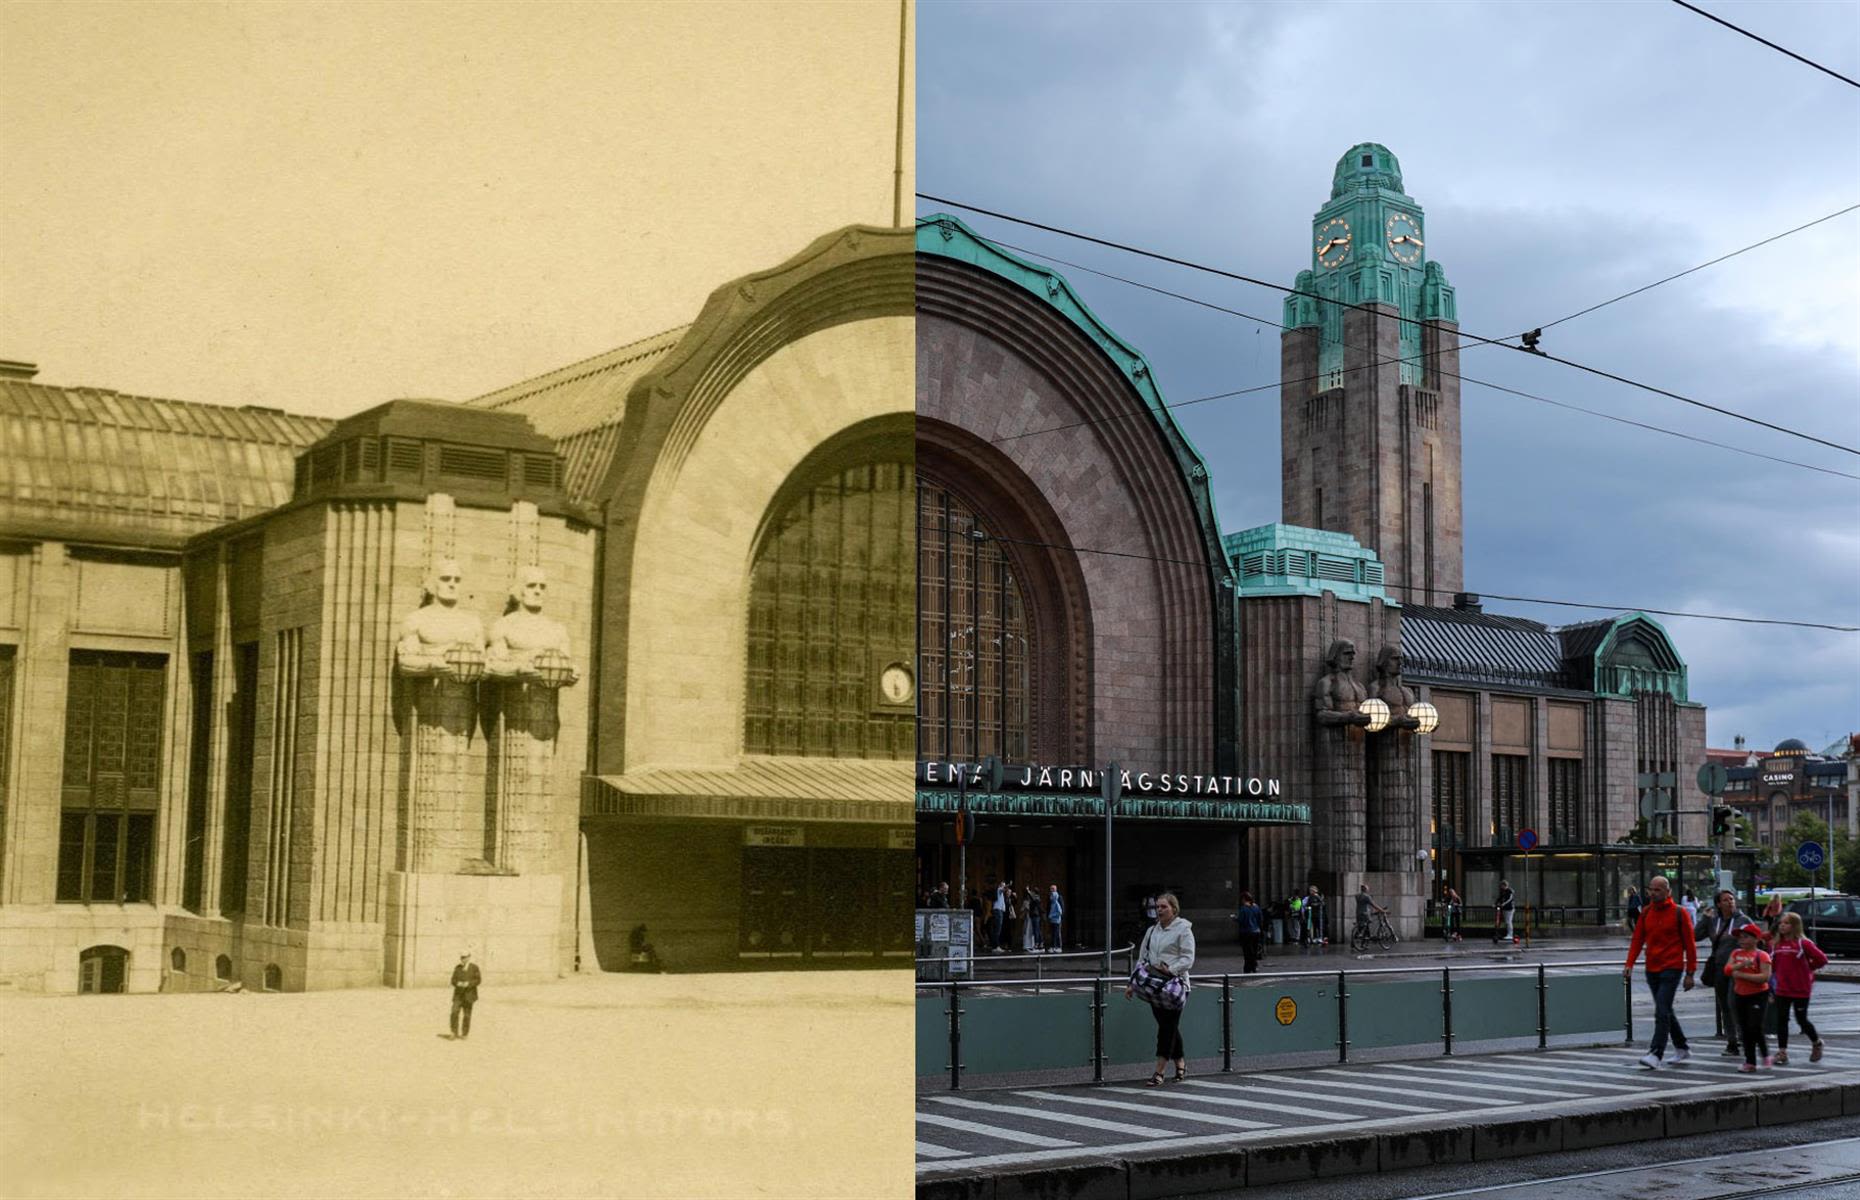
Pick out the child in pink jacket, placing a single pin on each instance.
(1795, 960)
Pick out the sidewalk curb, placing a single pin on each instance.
(1159, 1174)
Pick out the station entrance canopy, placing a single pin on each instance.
(1074, 792)
(758, 788)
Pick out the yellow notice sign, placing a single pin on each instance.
(1286, 1010)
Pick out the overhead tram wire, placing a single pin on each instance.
(1396, 587)
(1690, 270)
(1510, 391)
(1291, 291)
(1809, 62)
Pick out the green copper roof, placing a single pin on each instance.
(1290, 560)
(1618, 656)
(947, 237)
(1366, 164)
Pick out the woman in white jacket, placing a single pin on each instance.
(1168, 950)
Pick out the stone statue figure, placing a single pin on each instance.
(1390, 688)
(1338, 692)
(439, 655)
(529, 660)
(523, 633)
(436, 627)
(1340, 800)
(1394, 796)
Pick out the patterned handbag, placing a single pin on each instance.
(1157, 989)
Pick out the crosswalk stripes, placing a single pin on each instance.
(1464, 1080)
(1587, 1077)
(1176, 1114)
(1275, 1107)
(993, 1129)
(1006, 1135)
(1499, 1081)
(1059, 1118)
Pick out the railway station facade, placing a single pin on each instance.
(615, 657)
(1081, 605)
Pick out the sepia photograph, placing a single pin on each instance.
(457, 681)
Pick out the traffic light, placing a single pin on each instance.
(1723, 821)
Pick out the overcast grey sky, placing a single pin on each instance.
(1563, 153)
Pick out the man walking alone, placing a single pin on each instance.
(1667, 936)
(465, 980)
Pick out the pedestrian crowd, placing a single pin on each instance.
(1007, 918)
(1741, 972)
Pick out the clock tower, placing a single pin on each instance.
(1369, 408)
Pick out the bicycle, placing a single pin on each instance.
(1377, 929)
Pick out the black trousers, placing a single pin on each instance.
(1750, 1024)
(1168, 1032)
(1798, 1005)
(1727, 1011)
(461, 1016)
(1249, 946)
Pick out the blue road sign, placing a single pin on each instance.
(1527, 839)
(1809, 855)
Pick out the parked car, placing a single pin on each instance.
(1831, 922)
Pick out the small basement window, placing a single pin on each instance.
(177, 959)
(222, 969)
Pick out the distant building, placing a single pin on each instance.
(1792, 780)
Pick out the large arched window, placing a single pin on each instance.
(974, 654)
(830, 613)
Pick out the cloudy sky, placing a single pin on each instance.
(322, 206)
(1564, 153)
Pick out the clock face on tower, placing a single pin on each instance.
(1333, 242)
(1404, 234)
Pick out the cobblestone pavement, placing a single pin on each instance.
(641, 1086)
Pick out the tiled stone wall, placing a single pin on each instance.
(685, 646)
(1283, 642)
(1375, 454)
(1114, 488)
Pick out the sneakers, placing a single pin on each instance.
(1746, 1068)
(1769, 1060)
(1781, 1058)
(1651, 1062)
(1815, 1054)
(1732, 1049)
(1679, 1055)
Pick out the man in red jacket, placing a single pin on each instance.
(1671, 946)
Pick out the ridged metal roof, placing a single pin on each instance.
(581, 406)
(79, 457)
(779, 778)
(1449, 643)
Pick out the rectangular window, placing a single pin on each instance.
(241, 731)
(199, 766)
(71, 826)
(1451, 769)
(1510, 800)
(6, 723)
(1566, 801)
(112, 777)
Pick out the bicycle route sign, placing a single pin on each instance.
(1286, 1010)
(1527, 839)
(1809, 855)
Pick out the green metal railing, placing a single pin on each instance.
(1036, 1028)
